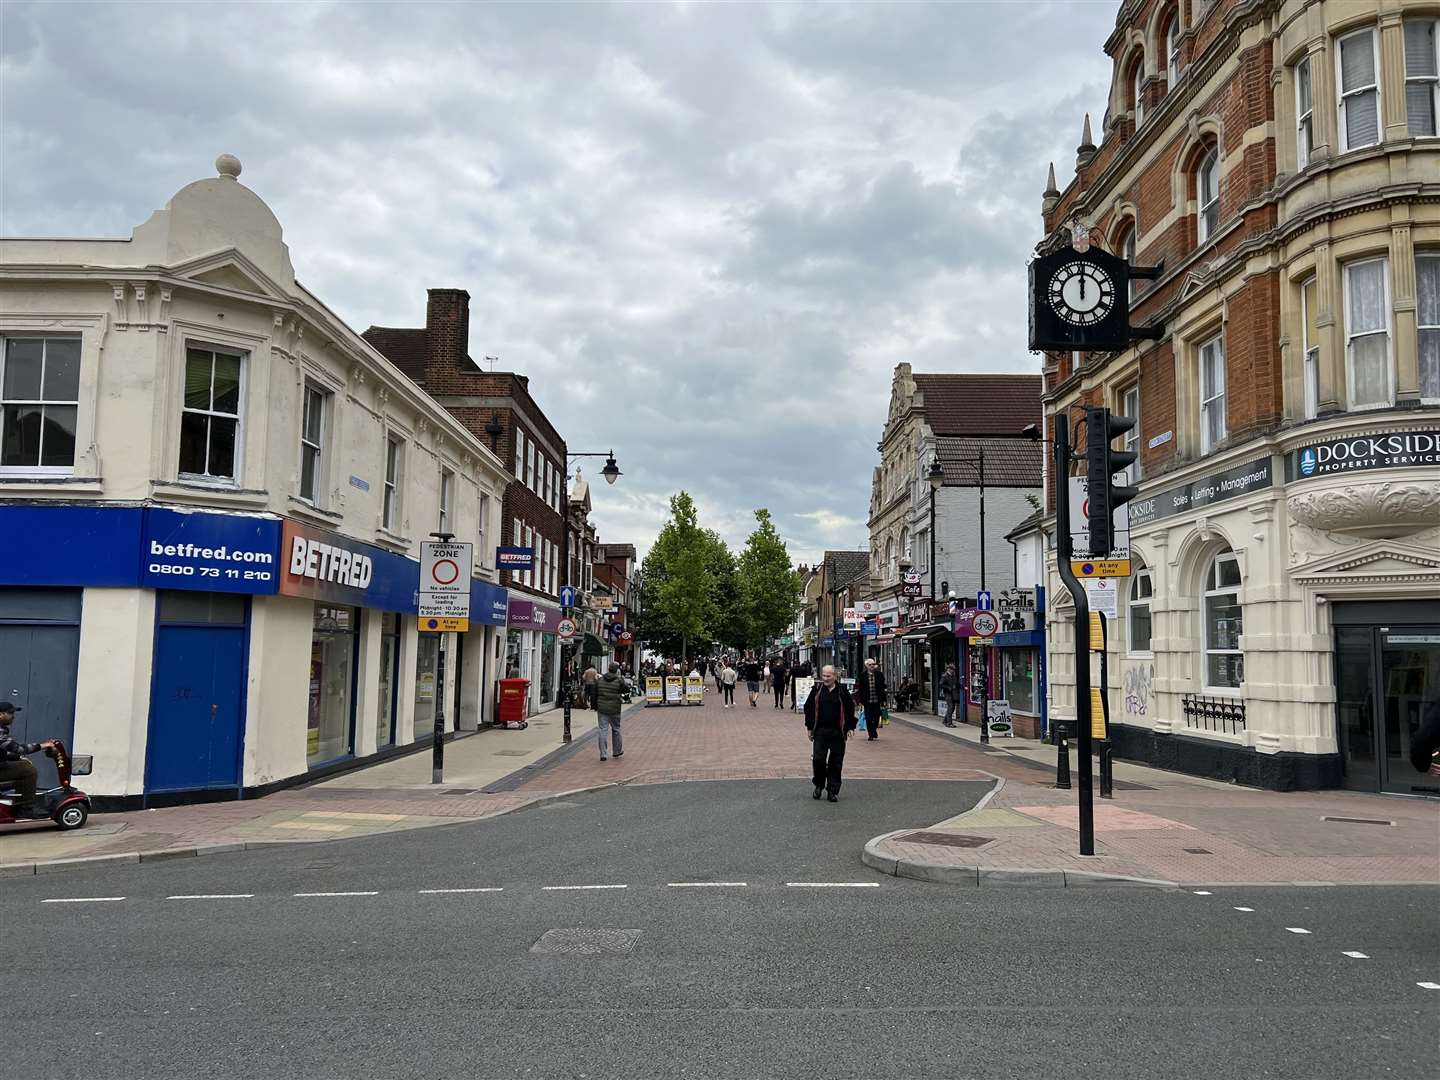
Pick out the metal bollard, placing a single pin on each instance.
(1062, 763)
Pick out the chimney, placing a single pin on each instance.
(447, 329)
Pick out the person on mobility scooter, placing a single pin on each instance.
(64, 804)
(14, 769)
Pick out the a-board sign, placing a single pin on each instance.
(654, 690)
(694, 689)
(998, 713)
(674, 690)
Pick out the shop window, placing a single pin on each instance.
(389, 679)
(1172, 49)
(1358, 59)
(1367, 335)
(427, 690)
(1422, 76)
(1019, 675)
(1138, 612)
(39, 403)
(210, 416)
(312, 444)
(1427, 318)
(1304, 114)
(1224, 662)
(1212, 394)
(332, 670)
(447, 492)
(1207, 195)
(1310, 348)
(1130, 406)
(390, 505)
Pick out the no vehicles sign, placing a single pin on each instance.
(444, 601)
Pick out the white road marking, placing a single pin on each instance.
(832, 884)
(1201, 892)
(1244, 909)
(82, 900)
(337, 894)
(707, 885)
(1428, 986)
(571, 888)
(432, 892)
(1356, 955)
(1297, 929)
(213, 896)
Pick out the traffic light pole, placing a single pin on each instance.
(1064, 552)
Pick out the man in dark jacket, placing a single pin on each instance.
(753, 672)
(14, 769)
(870, 694)
(830, 719)
(610, 691)
(779, 678)
(950, 692)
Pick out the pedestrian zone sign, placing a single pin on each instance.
(1113, 563)
(444, 601)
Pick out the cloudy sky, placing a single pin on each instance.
(706, 232)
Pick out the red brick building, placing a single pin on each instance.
(1278, 160)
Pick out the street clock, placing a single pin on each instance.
(1080, 300)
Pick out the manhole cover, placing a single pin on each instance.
(1198, 851)
(580, 941)
(946, 839)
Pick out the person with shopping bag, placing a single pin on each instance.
(870, 695)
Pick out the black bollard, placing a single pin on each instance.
(1107, 777)
(1062, 763)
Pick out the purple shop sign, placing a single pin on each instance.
(532, 615)
(964, 618)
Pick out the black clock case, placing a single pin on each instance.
(1050, 333)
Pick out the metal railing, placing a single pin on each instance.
(1213, 713)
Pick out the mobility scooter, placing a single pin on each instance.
(67, 806)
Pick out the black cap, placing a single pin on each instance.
(6, 707)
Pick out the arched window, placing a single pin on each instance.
(1138, 612)
(905, 545)
(1207, 195)
(1172, 50)
(890, 571)
(1126, 249)
(1137, 92)
(1224, 662)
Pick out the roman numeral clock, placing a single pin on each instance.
(1080, 300)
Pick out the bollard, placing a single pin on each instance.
(1107, 777)
(1062, 763)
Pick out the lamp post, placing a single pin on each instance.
(611, 473)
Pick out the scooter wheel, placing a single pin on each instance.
(72, 817)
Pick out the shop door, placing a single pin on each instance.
(197, 697)
(1383, 676)
(39, 661)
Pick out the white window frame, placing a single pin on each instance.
(891, 569)
(1206, 649)
(42, 401)
(1216, 399)
(1172, 49)
(907, 546)
(1386, 330)
(1210, 163)
(532, 467)
(481, 523)
(1428, 258)
(1127, 252)
(1304, 112)
(1433, 80)
(1341, 94)
(1130, 441)
(1137, 91)
(216, 479)
(447, 491)
(519, 453)
(1133, 601)
(1309, 353)
(312, 447)
(390, 495)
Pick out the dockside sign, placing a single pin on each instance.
(1362, 453)
(1217, 487)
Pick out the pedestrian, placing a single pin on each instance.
(752, 672)
(949, 692)
(14, 769)
(779, 677)
(870, 693)
(717, 667)
(728, 678)
(610, 689)
(830, 720)
(590, 678)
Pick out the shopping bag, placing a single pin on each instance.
(861, 726)
(884, 717)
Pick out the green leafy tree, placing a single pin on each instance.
(769, 587)
(728, 626)
(678, 605)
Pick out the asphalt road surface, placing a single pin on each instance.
(708, 930)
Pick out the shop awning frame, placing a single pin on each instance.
(929, 630)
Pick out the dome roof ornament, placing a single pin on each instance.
(228, 165)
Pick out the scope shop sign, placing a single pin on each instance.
(1363, 453)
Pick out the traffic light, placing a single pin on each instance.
(1101, 465)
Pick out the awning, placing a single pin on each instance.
(929, 630)
(593, 646)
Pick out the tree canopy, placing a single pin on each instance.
(769, 585)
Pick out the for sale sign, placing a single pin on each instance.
(444, 601)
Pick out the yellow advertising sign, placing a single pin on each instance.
(1094, 568)
(435, 625)
(654, 690)
(694, 690)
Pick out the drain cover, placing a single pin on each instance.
(945, 839)
(580, 941)
(511, 753)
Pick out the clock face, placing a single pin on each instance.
(1081, 293)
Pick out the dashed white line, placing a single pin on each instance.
(337, 893)
(1201, 892)
(1244, 909)
(1355, 955)
(574, 888)
(1428, 986)
(707, 885)
(82, 900)
(832, 884)
(1297, 929)
(432, 892)
(212, 896)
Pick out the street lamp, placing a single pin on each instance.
(611, 472)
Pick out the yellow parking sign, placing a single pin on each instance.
(1095, 568)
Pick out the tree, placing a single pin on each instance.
(769, 586)
(677, 590)
(728, 626)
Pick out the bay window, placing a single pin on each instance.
(1224, 623)
(1359, 76)
(1304, 113)
(1212, 394)
(1310, 348)
(39, 404)
(1367, 335)
(1422, 76)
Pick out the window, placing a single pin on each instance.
(1172, 50)
(1367, 334)
(480, 529)
(1127, 252)
(390, 502)
(519, 454)
(1207, 195)
(905, 547)
(1304, 110)
(1224, 662)
(1212, 394)
(922, 541)
(40, 395)
(532, 473)
(1310, 348)
(1138, 611)
(1137, 89)
(1427, 318)
(1422, 76)
(312, 445)
(1130, 406)
(1359, 90)
(447, 482)
(210, 417)
(546, 492)
(890, 569)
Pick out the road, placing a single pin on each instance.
(796, 961)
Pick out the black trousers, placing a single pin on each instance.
(780, 695)
(729, 693)
(828, 759)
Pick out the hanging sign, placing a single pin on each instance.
(515, 558)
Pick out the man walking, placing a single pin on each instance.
(753, 672)
(870, 693)
(830, 719)
(590, 678)
(728, 677)
(779, 677)
(609, 690)
(949, 690)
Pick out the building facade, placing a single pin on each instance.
(1278, 162)
(212, 495)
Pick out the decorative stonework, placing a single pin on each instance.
(1367, 506)
(1306, 544)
